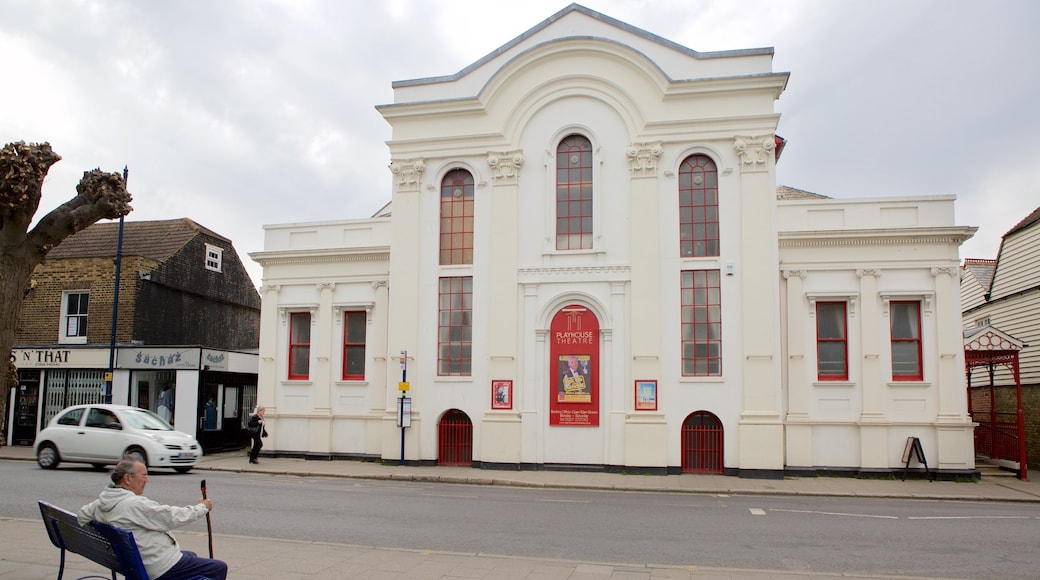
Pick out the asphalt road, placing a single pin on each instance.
(833, 535)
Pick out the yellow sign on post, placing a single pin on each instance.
(403, 386)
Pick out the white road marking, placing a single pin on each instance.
(757, 511)
(968, 517)
(836, 514)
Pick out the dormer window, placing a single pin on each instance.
(214, 258)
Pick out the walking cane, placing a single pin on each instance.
(209, 524)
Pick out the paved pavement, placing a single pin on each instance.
(25, 553)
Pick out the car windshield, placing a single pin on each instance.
(145, 419)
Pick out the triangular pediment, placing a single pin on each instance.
(990, 338)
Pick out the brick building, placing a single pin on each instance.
(188, 316)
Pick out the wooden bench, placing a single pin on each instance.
(112, 547)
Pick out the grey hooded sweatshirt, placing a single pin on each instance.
(149, 521)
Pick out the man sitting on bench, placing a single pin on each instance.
(121, 504)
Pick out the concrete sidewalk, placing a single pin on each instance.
(27, 554)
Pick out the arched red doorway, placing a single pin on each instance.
(455, 439)
(701, 445)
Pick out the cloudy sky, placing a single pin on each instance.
(241, 113)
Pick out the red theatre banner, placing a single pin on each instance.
(574, 368)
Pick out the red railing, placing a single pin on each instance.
(702, 444)
(455, 439)
(997, 441)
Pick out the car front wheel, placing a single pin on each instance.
(47, 456)
(137, 454)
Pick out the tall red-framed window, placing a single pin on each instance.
(355, 326)
(905, 317)
(701, 323)
(698, 207)
(299, 345)
(574, 193)
(832, 353)
(455, 326)
(457, 217)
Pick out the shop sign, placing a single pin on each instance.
(68, 358)
(158, 358)
(215, 359)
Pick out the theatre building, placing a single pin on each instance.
(586, 263)
(186, 330)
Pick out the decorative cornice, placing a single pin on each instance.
(270, 288)
(325, 286)
(795, 273)
(643, 158)
(327, 259)
(755, 152)
(950, 270)
(573, 270)
(873, 272)
(505, 166)
(407, 173)
(837, 239)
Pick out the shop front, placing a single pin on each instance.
(205, 393)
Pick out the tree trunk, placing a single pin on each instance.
(23, 169)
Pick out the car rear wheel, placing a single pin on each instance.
(137, 454)
(47, 456)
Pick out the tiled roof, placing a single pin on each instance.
(158, 239)
(982, 269)
(784, 192)
(1035, 216)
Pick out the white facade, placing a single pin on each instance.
(645, 105)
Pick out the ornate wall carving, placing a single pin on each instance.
(505, 166)
(407, 173)
(643, 158)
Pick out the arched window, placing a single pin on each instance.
(457, 217)
(698, 207)
(574, 194)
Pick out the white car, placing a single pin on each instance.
(103, 434)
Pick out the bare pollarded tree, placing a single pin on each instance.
(23, 167)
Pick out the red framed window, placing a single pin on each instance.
(698, 207)
(455, 326)
(299, 345)
(574, 194)
(832, 353)
(701, 323)
(906, 340)
(355, 326)
(457, 217)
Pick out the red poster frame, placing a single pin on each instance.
(574, 368)
(645, 395)
(502, 394)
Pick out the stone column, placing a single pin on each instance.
(954, 440)
(874, 388)
(799, 428)
(644, 339)
(761, 428)
(403, 312)
(503, 303)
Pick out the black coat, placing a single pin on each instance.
(256, 427)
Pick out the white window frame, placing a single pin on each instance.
(214, 258)
(63, 337)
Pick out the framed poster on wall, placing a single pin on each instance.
(501, 394)
(574, 344)
(646, 395)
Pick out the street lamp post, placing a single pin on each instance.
(109, 376)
